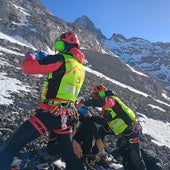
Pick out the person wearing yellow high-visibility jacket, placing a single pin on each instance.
(56, 111)
(118, 119)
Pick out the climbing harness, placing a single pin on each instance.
(64, 110)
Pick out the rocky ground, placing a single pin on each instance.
(35, 153)
(11, 117)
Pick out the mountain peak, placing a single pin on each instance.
(117, 37)
(84, 22)
(87, 24)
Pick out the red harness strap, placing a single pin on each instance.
(49, 108)
(134, 140)
(38, 125)
(56, 110)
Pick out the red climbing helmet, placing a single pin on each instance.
(70, 38)
(98, 90)
(67, 41)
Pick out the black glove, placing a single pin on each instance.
(109, 93)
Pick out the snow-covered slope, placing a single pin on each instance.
(150, 57)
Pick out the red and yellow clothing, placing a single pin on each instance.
(115, 113)
(65, 75)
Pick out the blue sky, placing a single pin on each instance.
(148, 19)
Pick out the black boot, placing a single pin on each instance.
(9, 149)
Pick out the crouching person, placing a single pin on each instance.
(121, 121)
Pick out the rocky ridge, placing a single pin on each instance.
(149, 57)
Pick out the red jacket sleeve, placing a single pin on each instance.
(31, 66)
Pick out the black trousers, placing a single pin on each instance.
(85, 134)
(27, 133)
(130, 152)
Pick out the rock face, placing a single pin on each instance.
(32, 24)
(152, 58)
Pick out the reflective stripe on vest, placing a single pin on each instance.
(118, 124)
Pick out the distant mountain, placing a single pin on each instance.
(28, 26)
(152, 58)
